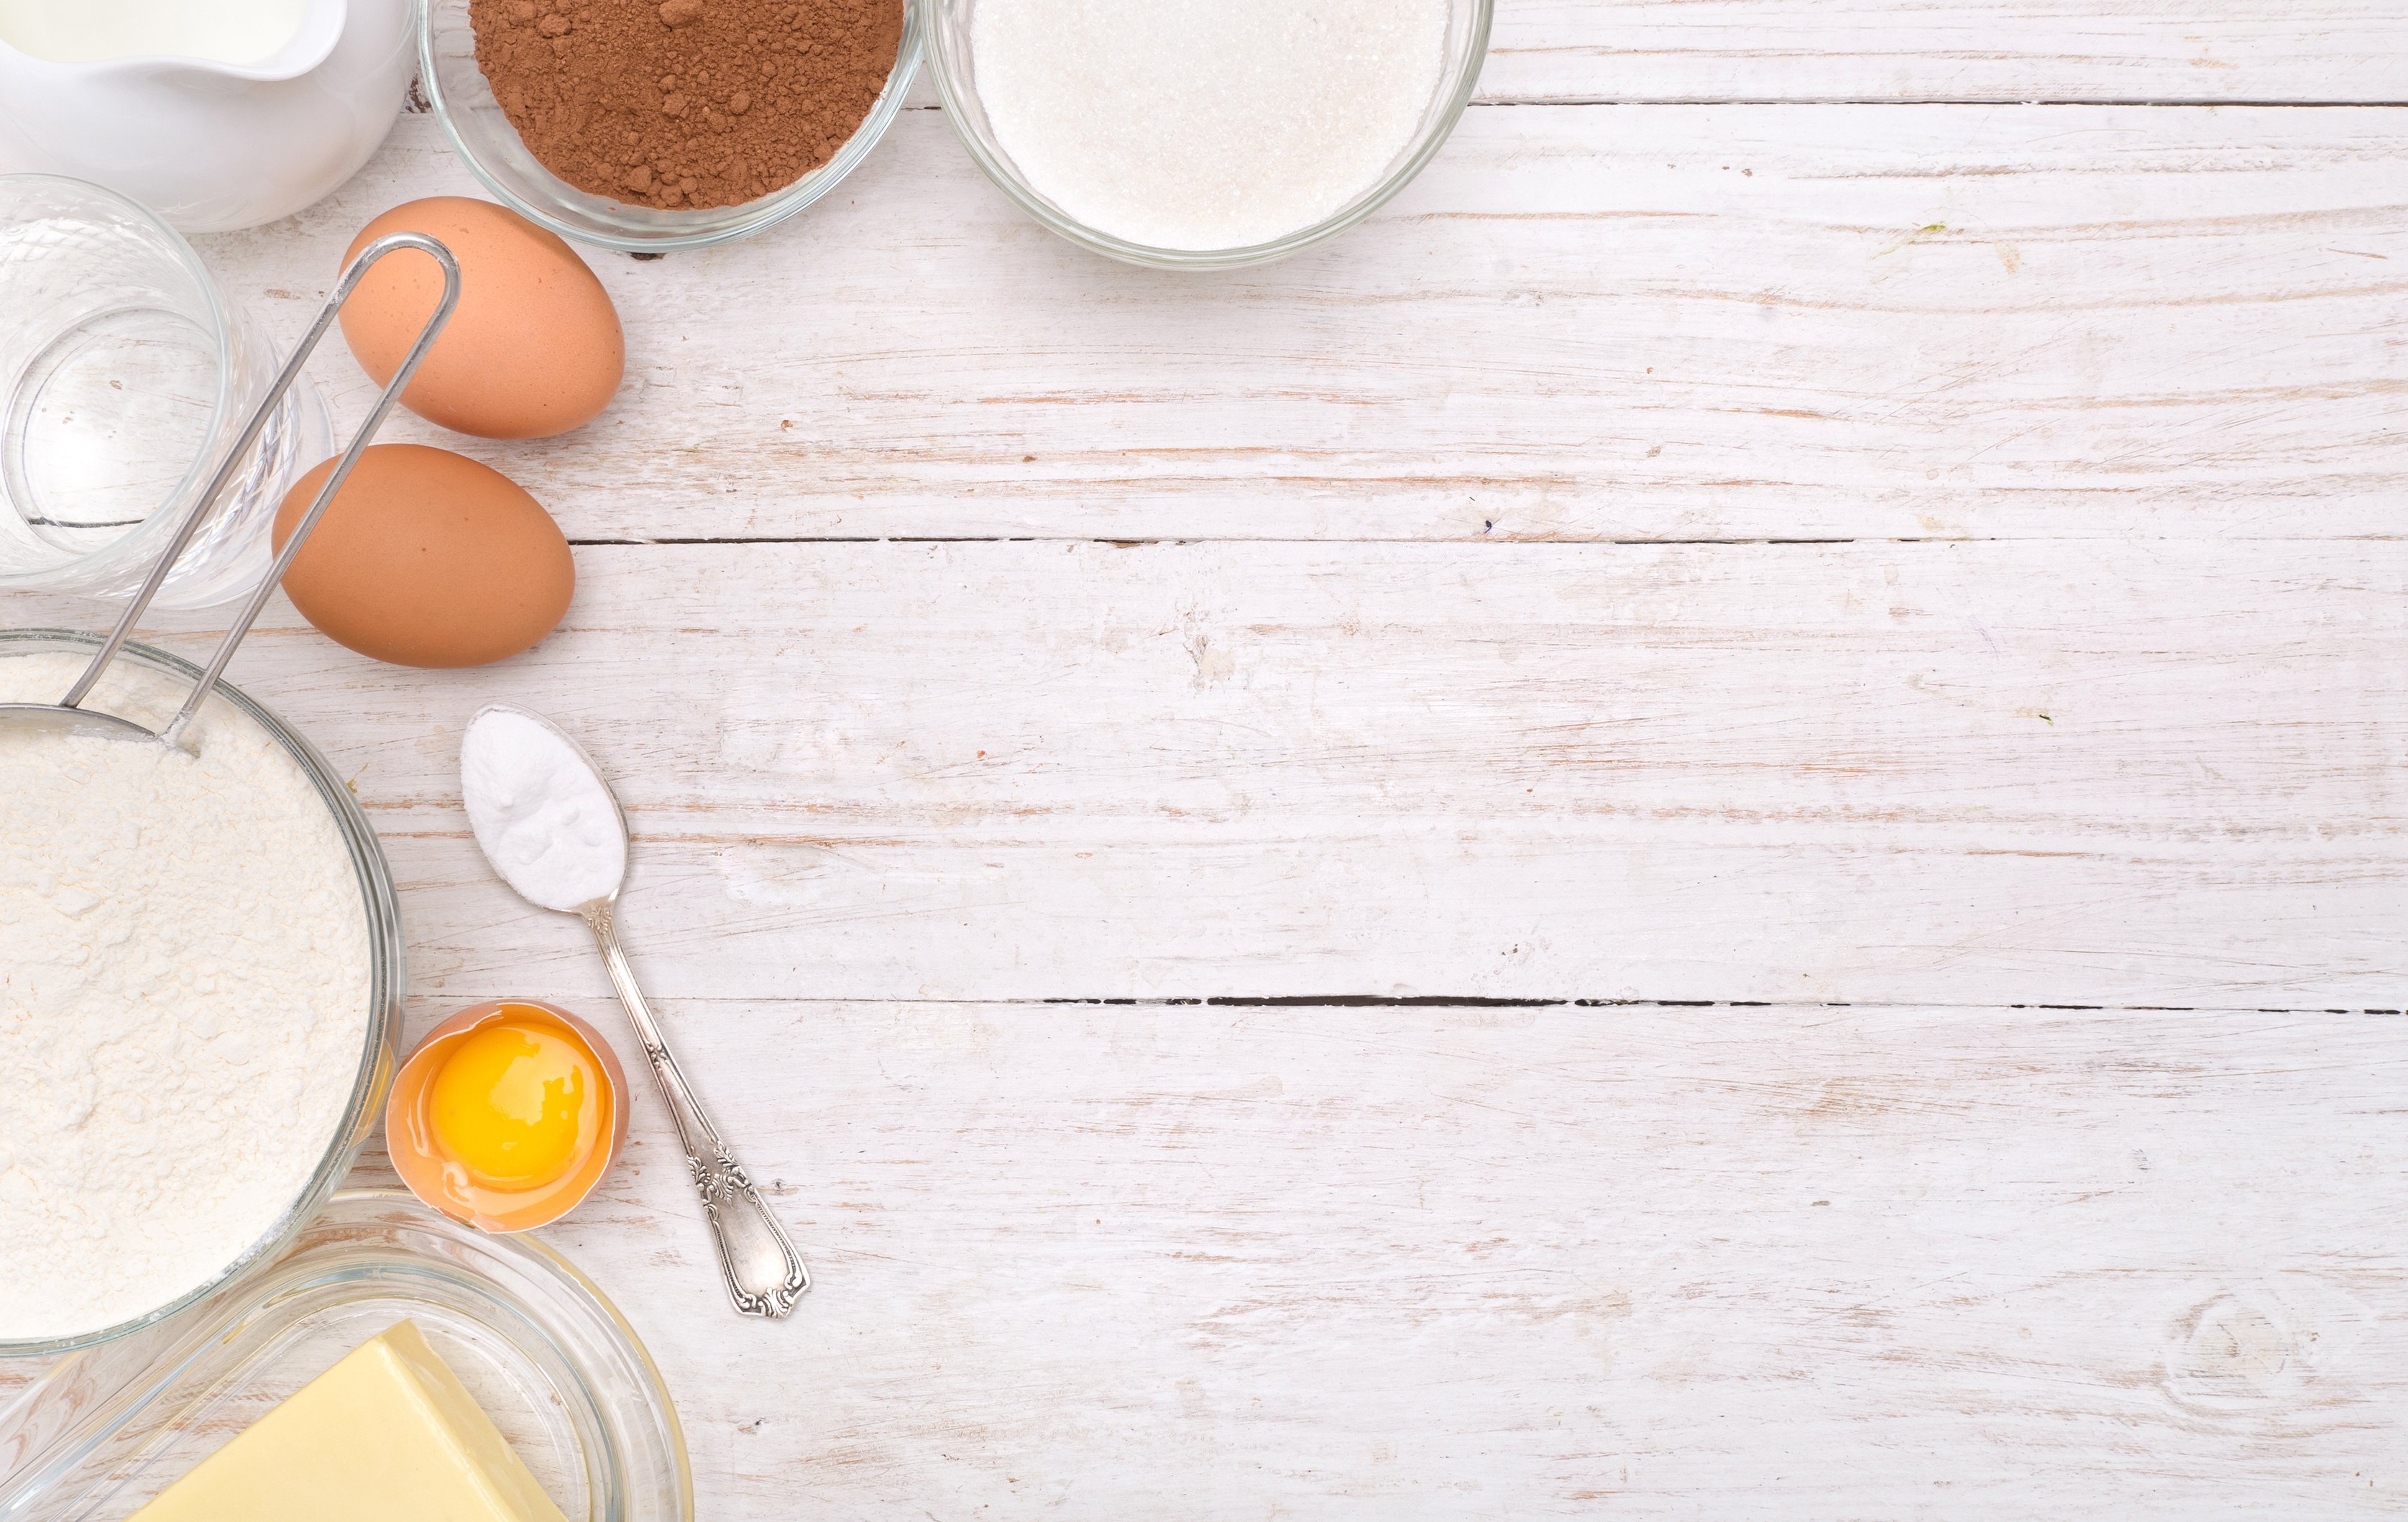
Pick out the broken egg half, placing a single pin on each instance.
(507, 1115)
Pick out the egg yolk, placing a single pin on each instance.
(510, 1104)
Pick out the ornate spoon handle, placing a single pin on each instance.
(765, 1275)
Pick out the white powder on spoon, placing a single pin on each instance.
(1205, 124)
(542, 815)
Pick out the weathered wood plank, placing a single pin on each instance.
(1510, 1263)
(1943, 50)
(1975, 773)
(1515, 1263)
(1950, 51)
(1641, 323)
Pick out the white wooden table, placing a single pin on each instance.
(1710, 825)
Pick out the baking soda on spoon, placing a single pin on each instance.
(545, 820)
(1206, 123)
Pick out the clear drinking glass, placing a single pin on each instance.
(124, 375)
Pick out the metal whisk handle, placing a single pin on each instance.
(352, 273)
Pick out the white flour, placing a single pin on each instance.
(183, 1000)
(1205, 124)
(543, 817)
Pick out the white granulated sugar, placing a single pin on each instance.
(544, 818)
(1205, 124)
(184, 994)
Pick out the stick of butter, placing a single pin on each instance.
(389, 1434)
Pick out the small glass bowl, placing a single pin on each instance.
(386, 977)
(549, 1358)
(490, 147)
(125, 376)
(953, 65)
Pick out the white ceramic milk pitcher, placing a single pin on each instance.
(206, 144)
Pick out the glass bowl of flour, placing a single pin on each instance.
(1204, 134)
(200, 990)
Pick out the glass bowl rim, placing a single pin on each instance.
(140, 544)
(387, 981)
(256, 1295)
(1436, 131)
(775, 207)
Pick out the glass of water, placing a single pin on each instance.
(126, 374)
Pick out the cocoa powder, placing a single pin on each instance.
(687, 103)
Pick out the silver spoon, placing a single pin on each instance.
(67, 716)
(764, 1274)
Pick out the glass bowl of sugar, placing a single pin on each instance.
(1204, 134)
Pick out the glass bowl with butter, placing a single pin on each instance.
(135, 1210)
(322, 1364)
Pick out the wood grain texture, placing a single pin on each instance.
(2104, 705)
(1948, 49)
(1097, 1262)
(1875, 1263)
(1582, 322)
(1952, 772)
(1954, 51)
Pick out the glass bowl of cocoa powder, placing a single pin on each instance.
(648, 125)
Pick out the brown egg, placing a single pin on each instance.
(532, 349)
(427, 558)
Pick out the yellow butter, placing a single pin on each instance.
(389, 1434)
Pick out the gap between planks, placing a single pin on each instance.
(2171, 103)
(1541, 541)
(1478, 1002)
